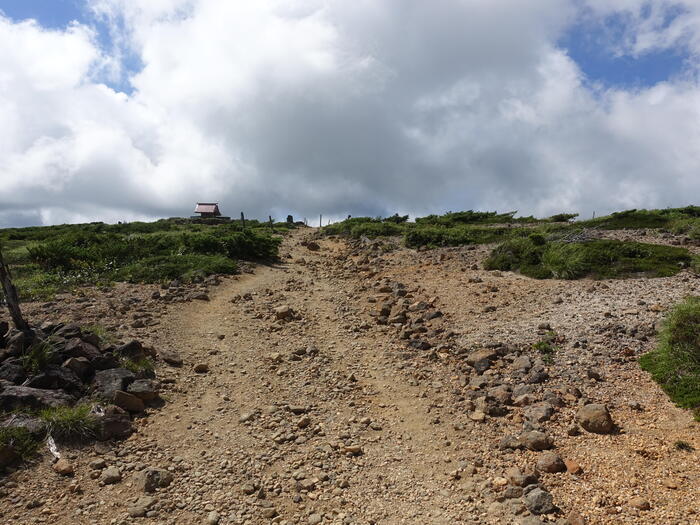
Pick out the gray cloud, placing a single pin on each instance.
(324, 106)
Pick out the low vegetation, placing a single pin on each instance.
(536, 257)
(675, 363)
(20, 440)
(69, 424)
(46, 260)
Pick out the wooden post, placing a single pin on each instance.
(272, 225)
(11, 297)
(320, 221)
(242, 220)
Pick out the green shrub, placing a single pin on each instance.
(166, 268)
(376, 229)
(600, 259)
(21, 440)
(563, 217)
(69, 424)
(675, 363)
(455, 236)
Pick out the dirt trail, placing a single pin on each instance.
(313, 410)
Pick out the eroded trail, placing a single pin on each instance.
(304, 418)
(357, 385)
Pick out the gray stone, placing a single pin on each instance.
(108, 382)
(110, 476)
(14, 397)
(149, 479)
(551, 463)
(539, 501)
(595, 418)
(535, 440)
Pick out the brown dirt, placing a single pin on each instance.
(268, 434)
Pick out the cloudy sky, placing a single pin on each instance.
(134, 109)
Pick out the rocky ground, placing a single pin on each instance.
(360, 383)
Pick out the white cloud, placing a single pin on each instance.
(326, 106)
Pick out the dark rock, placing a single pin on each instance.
(76, 347)
(14, 397)
(8, 456)
(595, 418)
(12, 371)
(17, 342)
(4, 328)
(80, 366)
(539, 413)
(107, 382)
(68, 331)
(57, 378)
(105, 362)
(145, 389)
(133, 350)
(128, 401)
(113, 423)
(149, 479)
(519, 478)
(535, 440)
(539, 501)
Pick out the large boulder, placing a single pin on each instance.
(13, 371)
(539, 501)
(595, 418)
(108, 382)
(32, 424)
(18, 397)
(57, 378)
(76, 347)
(145, 389)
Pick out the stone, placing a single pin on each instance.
(19, 397)
(539, 501)
(144, 389)
(213, 518)
(201, 368)
(57, 378)
(13, 372)
(171, 357)
(63, 467)
(284, 313)
(32, 424)
(108, 382)
(539, 413)
(536, 440)
(572, 467)
(113, 423)
(80, 366)
(133, 350)
(639, 503)
(141, 507)
(550, 462)
(128, 402)
(150, 479)
(595, 418)
(481, 360)
(110, 476)
(314, 519)
(76, 347)
(518, 478)
(98, 464)
(8, 455)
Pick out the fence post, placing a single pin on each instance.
(243, 220)
(272, 227)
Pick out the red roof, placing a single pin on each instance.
(207, 207)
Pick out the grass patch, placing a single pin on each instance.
(105, 336)
(21, 440)
(143, 365)
(70, 424)
(683, 446)
(38, 356)
(52, 259)
(547, 347)
(600, 259)
(675, 363)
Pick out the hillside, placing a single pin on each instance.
(467, 368)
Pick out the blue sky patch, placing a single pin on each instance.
(595, 46)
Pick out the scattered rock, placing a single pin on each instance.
(595, 418)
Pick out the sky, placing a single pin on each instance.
(120, 110)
